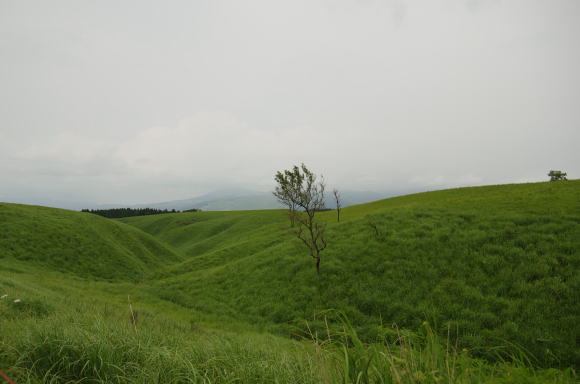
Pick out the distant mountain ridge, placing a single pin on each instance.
(223, 200)
(236, 200)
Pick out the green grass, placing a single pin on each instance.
(472, 285)
(69, 335)
(82, 333)
(500, 264)
(85, 245)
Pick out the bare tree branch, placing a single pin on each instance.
(338, 201)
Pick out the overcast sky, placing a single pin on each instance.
(143, 101)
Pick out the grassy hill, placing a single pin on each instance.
(85, 245)
(463, 274)
(494, 264)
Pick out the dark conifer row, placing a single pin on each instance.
(117, 213)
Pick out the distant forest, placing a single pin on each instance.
(117, 213)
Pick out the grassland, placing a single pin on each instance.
(84, 245)
(467, 285)
(493, 263)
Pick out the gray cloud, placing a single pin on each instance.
(135, 102)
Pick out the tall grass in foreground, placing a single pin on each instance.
(92, 344)
(111, 353)
(424, 359)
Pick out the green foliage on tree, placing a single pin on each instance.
(303, 193)
(557, 175)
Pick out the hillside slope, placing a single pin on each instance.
(493, 263)
(84, 244)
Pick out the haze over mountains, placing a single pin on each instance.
(232, 199)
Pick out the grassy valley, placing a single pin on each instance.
(464, 285)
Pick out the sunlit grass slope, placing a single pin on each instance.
(494, 264)
(83, 244)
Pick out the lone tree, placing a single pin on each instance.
(557, 175)
(338, 201)
(303, 193)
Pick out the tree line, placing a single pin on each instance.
(117, 213)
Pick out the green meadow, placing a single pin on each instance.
(468, 285)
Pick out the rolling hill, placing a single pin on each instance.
(82, 244)
(463, 285)
(495, 263)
